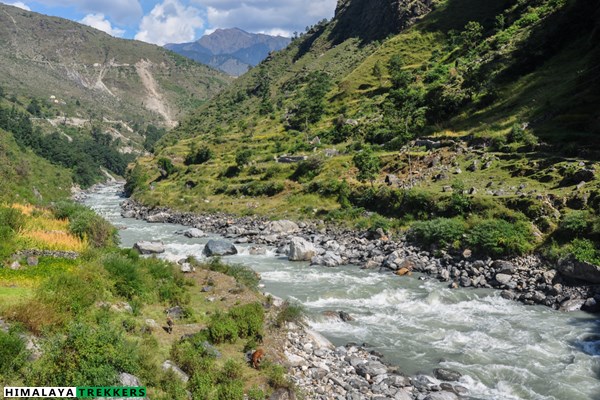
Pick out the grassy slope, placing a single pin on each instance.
(23, 172)
(43, 56)
(543, 70)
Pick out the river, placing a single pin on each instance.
(504, 349)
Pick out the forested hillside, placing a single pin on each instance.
(481, 114)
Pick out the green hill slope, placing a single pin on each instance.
(479, 111)
(86, 74)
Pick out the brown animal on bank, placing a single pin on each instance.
(170, 324)
(256, 357)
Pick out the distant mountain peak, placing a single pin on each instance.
(232, 50)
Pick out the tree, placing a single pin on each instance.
(167, 166)
(242, 157)
(471, 35)
(378, 72)
(368, 165)
(198, 156)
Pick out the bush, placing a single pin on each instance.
(222, 328)
(13, 354)
(497, 237)
(242, 274)
(129, 281)
(255, 393)
(584, 250)
(290, 312)
(249, 318)
(308, 169)
(85, 355)
(167, 166)
(199, 156)
(86, 224)
(11, 218)
(575, 224)
(443, 232)
(232, 390)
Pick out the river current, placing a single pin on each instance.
(505, 350)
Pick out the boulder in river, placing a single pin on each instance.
(158, 218)
(145, 247)
(283, 226)
(441, 396)
(329, 259)
(301, 250)
(219, 248)
(194, 233)
(445, 374)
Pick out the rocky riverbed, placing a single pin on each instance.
(322, 371)
(527, 279)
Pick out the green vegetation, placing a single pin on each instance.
(480, 113)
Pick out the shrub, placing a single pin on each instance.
(276, 376)
(13, 354)
(199, 156)
(167, 166)
(129, 281)
(242, 157)
(86, 224)
(249, 319)
(255, 393)
(443, 232)
(584, 250)
(232, 390)
(308, 169)
(575, 223)
(242, 274)
(85, 355)
(232, 370)
(202, 386)
(222, 328)
(11, 218)
(290, 312)
(497, 237)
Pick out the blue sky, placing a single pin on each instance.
(177, 21)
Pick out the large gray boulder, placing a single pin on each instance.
(219, 248)
(329, 259)
(572, 268)
(170, 366)
(145, 247)
(158, 218)
(301, 250)
(441, 396)
(283, 227)
(194, 233)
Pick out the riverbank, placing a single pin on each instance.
(526, 279)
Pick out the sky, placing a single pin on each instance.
(178, 21)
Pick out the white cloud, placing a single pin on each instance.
(19, 4)
(283, 16)
(100, 22)
(121, 11)
(170, 22)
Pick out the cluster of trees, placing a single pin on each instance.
(311, 106)
(84, 155)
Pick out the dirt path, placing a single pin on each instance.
(154, 99)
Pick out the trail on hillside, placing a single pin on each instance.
(154, 100)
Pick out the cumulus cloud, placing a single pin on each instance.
(19, 4)
(279, 17)
(100, 22)
(170, 22)
(121, 11)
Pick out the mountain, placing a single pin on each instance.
(89, 74)
(232, 51)
(481, 117)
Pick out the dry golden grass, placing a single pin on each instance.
(50, 240)
(26, 209)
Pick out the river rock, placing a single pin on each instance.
(158, 218)
(579, 270)
(441, 396)
(283, 227)
(149, 247)
(257, 251)
(504, 267)
(571, 305)
(329, 259)
(371, 369)
(219, 248)
(194, 233)
(301, 250)
(32, 261)
(170, 366)
(503, 279)
(445, 374)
